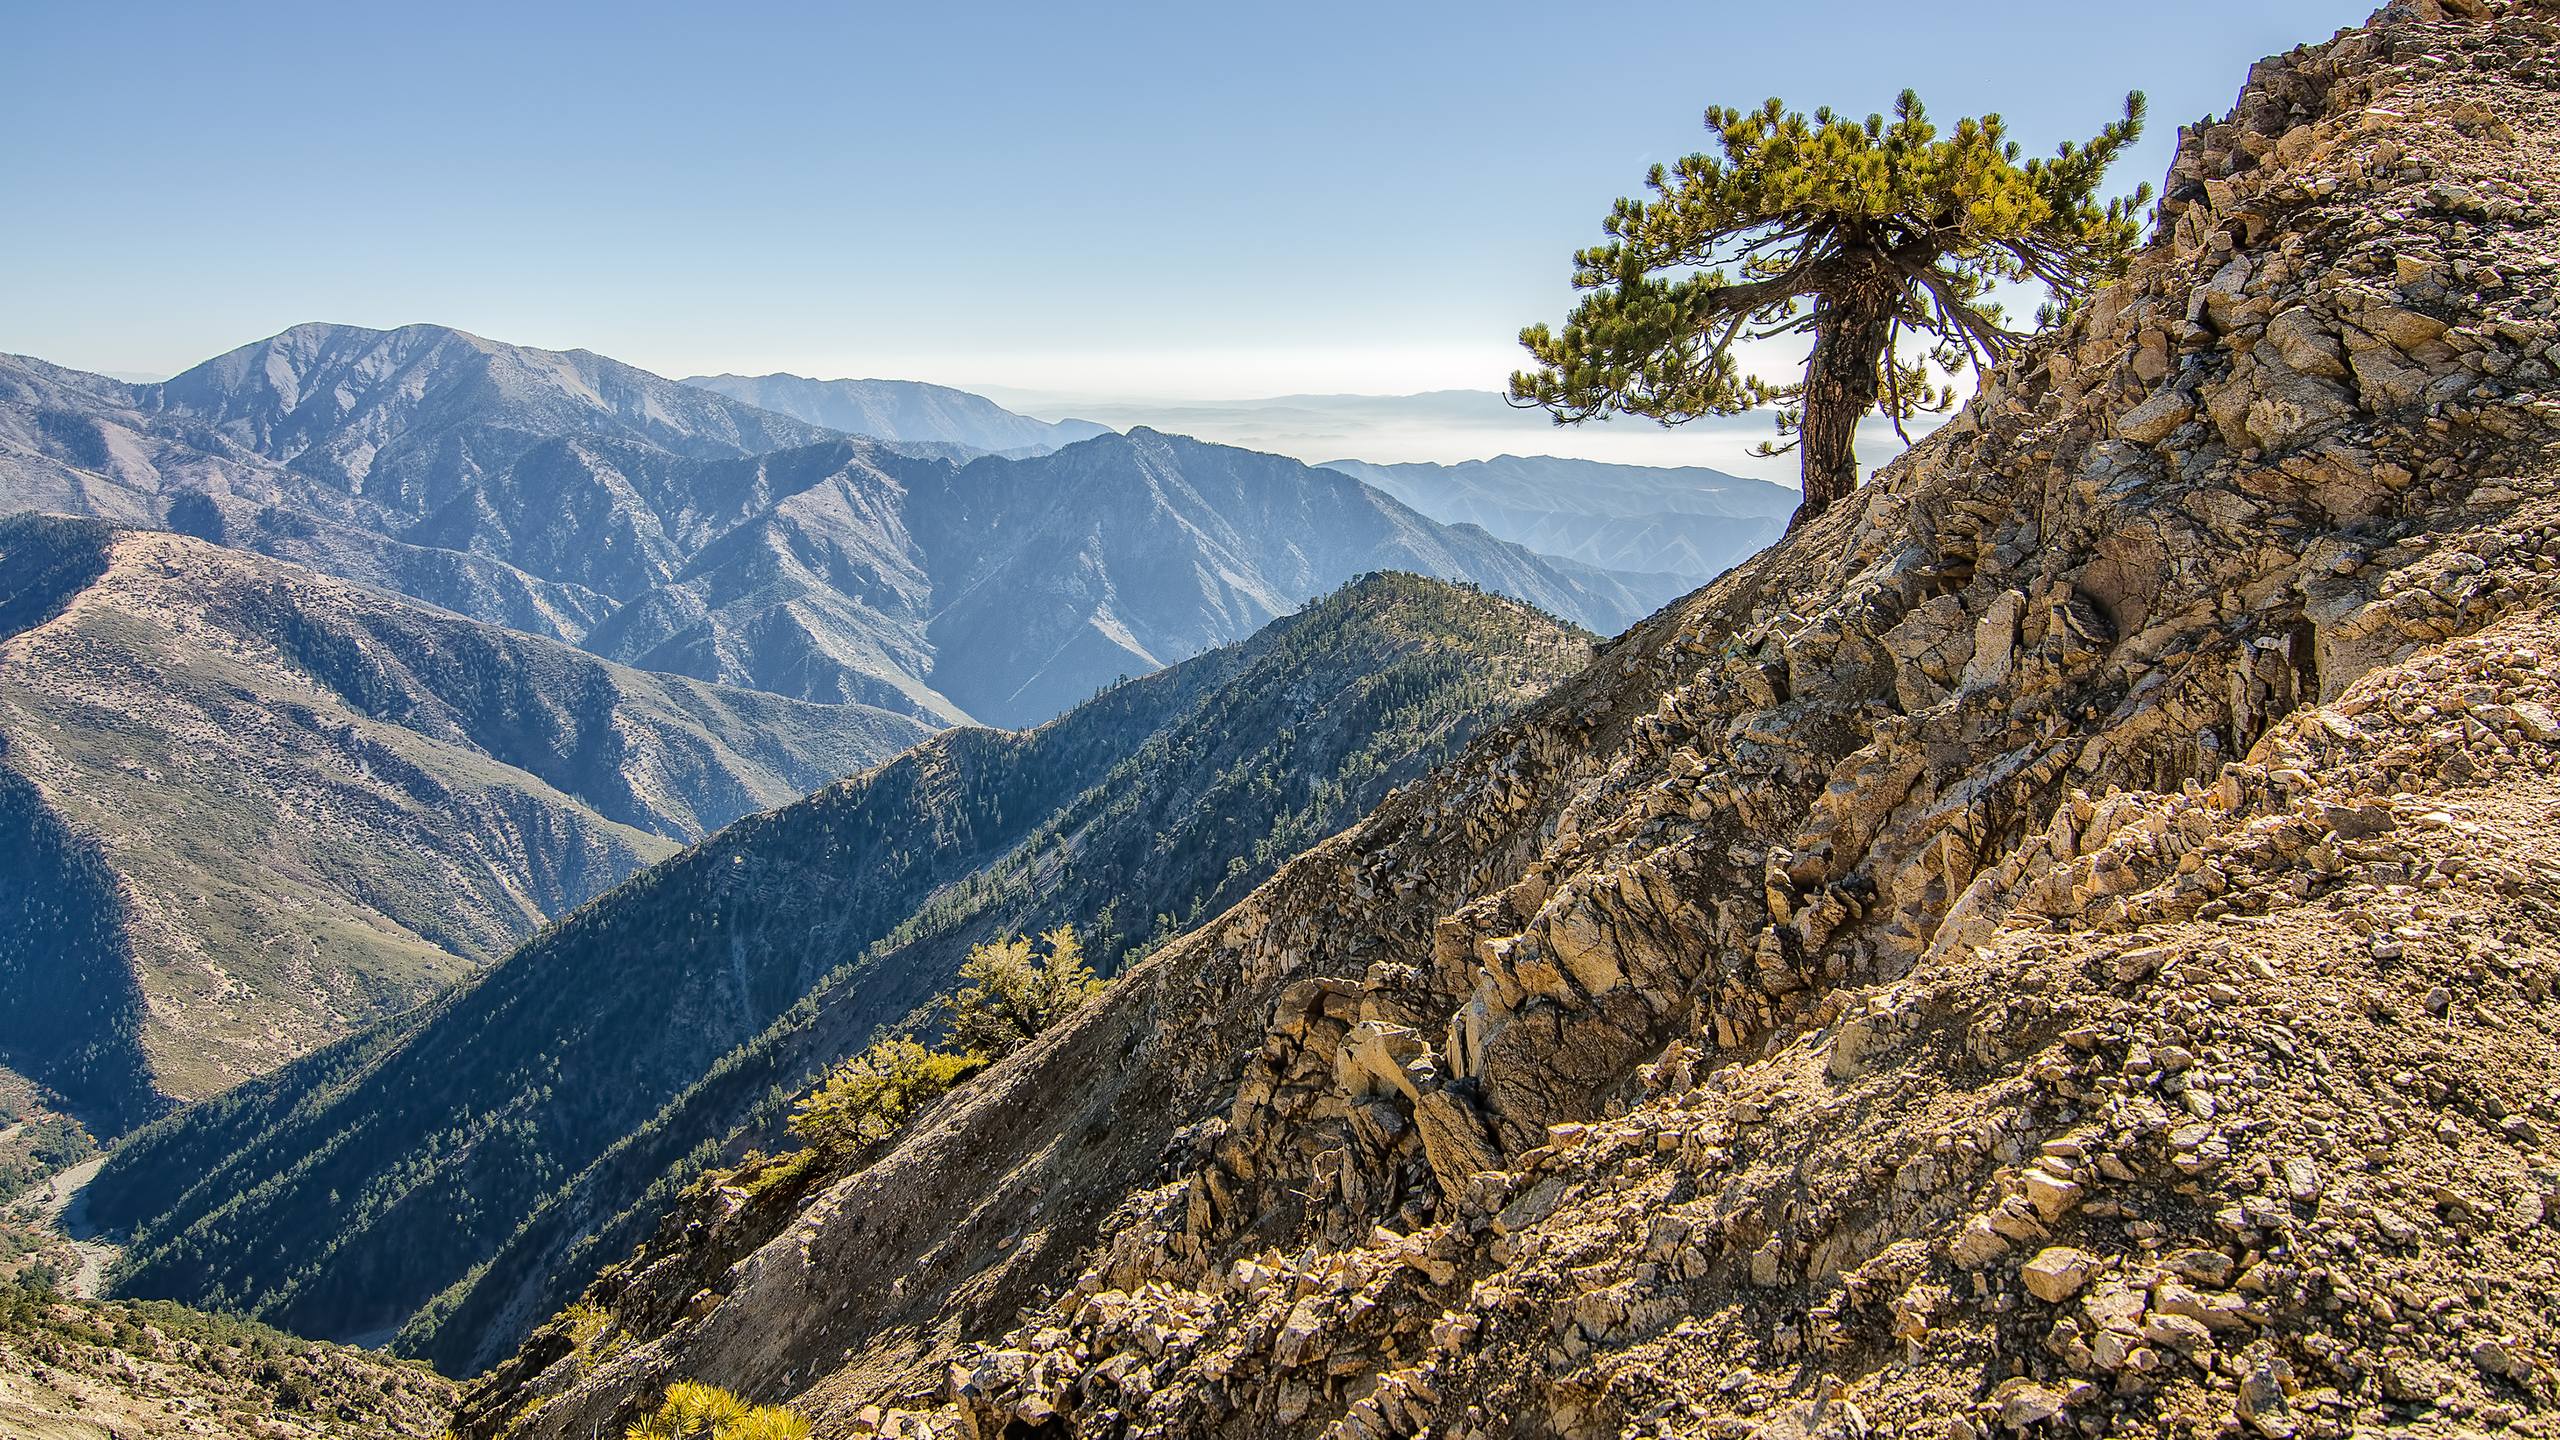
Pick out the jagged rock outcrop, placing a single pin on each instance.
(2064, 941)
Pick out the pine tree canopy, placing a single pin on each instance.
(1860, 234)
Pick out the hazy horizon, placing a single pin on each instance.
(1155, 206)
(1447, 426)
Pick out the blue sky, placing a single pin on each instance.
(1136, 200)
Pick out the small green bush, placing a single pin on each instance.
(868, 1097)
(695, 1411)
(1016, 988)
(1014, 992)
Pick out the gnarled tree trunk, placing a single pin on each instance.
(1851, 329)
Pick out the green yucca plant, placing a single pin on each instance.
(692, 1410)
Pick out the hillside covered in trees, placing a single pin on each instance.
(461, 1170)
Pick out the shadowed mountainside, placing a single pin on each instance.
(453, 1150)
(261, 808)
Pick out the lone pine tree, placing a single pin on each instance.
(1856, 233)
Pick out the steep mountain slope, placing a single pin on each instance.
(675, 529)
(1115, 556)
(464, 1145)
(799, 575)
(259, 808)
(1687, 524)
(2063, 944)
(1005, 591)
(900, 410)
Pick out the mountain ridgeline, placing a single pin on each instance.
(672, 528)
(903, 410)
(1680, 527)
(254, 808)
(462, 1169)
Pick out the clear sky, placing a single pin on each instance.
(1113, 200)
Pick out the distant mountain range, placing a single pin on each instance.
(1690, 523)
(673, 528)
(906, 410)
(256, 807)
(466, 1167)
(245, 808)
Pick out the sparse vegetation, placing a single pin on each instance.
(125, 1367)
(335, 810)
(868, 1098)
(1016, 989)
(35, 1148)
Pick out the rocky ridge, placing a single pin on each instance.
(2064, 943)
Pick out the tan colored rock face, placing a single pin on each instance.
(1955, 968)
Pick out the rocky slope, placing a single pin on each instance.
(468, 1155)
(901, 410)
(2063, 944)
(253, 808)
(72, 1370)
(1683, 525)
(672, 528)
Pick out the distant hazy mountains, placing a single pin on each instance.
(245, 808)
(1692, 523)
(673, 528)
(906, 410)
(465, 1167)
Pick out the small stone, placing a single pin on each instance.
(2537, 721)
(2301, 1179)
(1977, 1244)
(2496, 1358)
(1766, 1263)
(2051, 1194)
(2407, 330)
(2261, 1404)
(2154, 419)
(2178, 1332)
(2057, 1272)
(2113, 1306)
(2024, 1403)
(2214, 1312)
(2209, 1268)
